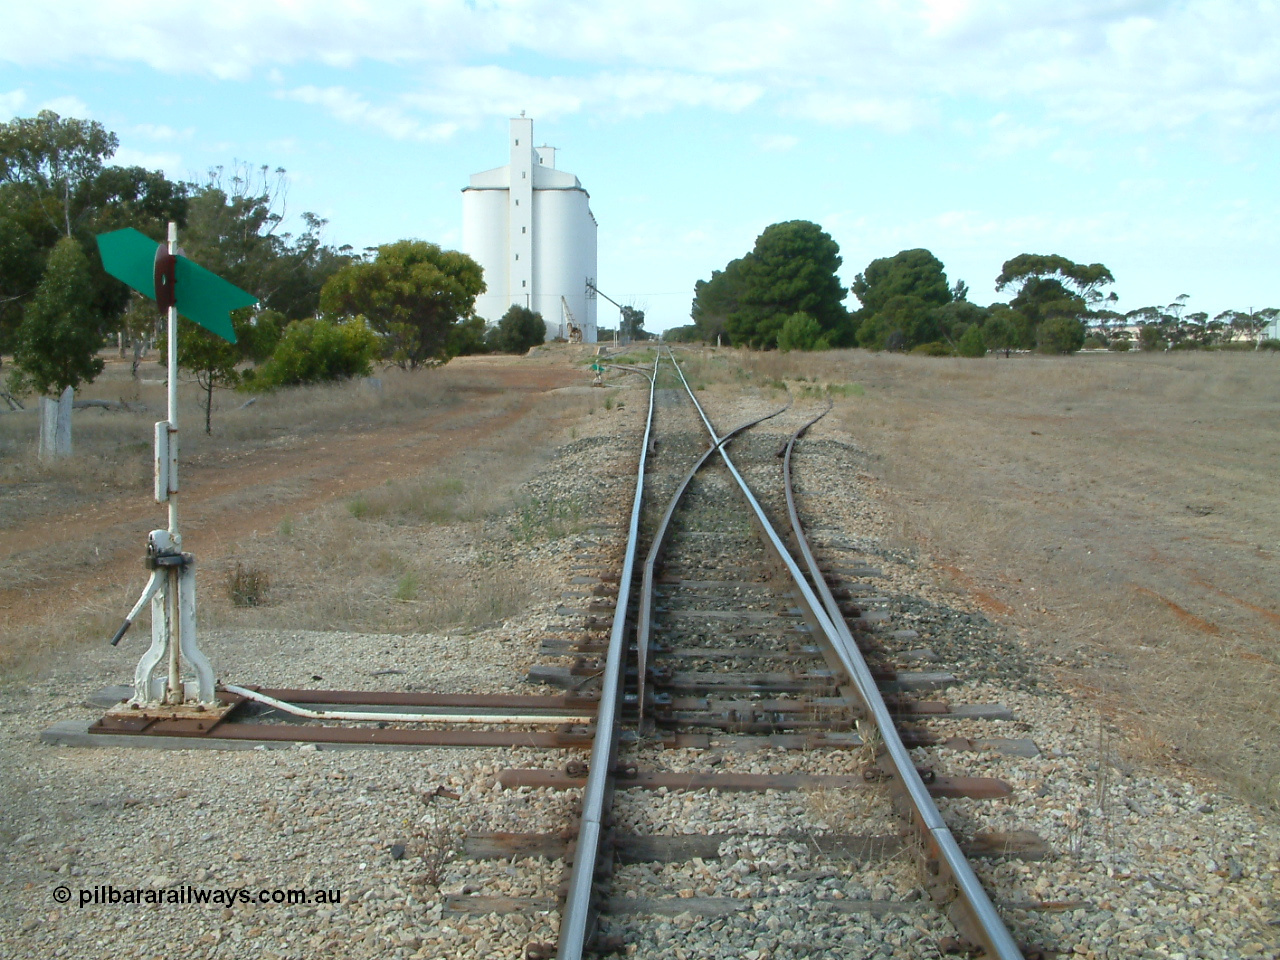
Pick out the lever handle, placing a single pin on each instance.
(121, 632)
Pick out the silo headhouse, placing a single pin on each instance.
(530, 227)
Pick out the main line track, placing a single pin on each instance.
(739, 643)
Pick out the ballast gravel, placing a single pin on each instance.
(1144, 861)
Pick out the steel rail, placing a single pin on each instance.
(971, 911)
(575, 921)
(644, 618)
(990, 931)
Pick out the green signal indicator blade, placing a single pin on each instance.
(130, 255)
(207, 299)
(203, 296)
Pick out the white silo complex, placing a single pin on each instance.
(530, 227)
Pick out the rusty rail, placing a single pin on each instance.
(644, 613)
(577, 918)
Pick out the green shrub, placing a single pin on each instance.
(801, 332)
(971, 343)
(407, 587)
(1269, 345)
(934, 349)
(315, 350)
(1120, 346)
(261, 335)
(467, 337)
(519, 330)
(1060, 335)
(685, 334)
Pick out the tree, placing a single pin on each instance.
(214, 361)
(20, 270)
(467, 337)
(412, 293)
(50, 159)
(1269, 318)
(1086, 279)
(791, 269)
(125, 197)
(519, 330)
(1107, 325)
(686, 334)
(1198, 323)
(233, 229)
(316, 350)
(715, 299)
(1003, 329)
(54, 184)
(259, 337)
(56, 345)
(1245, 324)
(903, 322)
(631, 324)
(909, 273)
(801, 332)
(1040, 299)
(1149, 337)
(903, 299)
(1050, 286)
(954, 319)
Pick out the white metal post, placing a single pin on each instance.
(174, 574)
(173, 404)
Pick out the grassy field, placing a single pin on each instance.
(1120, 511)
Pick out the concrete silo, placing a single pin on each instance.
(530, 227)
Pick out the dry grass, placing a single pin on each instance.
(112, 447)
(405, 556)
(1119, 510)
(335, 571)
(362, 508)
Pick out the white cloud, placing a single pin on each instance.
(350, 107)
(11, 103)
(162, 133)
(170, 163)
(470, 92)
(777, 143)
(66, 107)
(1005, 135)
(894, 114)
(1134, 65)
(492, 90)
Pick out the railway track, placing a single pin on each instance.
(748, 784)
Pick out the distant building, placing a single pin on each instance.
(530, 227)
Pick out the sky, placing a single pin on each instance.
(1136, 133)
